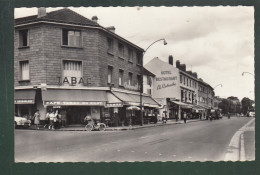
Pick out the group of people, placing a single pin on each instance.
(54, 120)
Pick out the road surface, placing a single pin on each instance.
(196, 141)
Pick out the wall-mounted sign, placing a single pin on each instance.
(73, 103)
(23, 101)
(131, 87)
(73, 81)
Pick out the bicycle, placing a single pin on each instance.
(92, 126)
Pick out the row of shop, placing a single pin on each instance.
(113, 107)
(174, 109)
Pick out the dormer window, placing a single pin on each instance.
(71, 38)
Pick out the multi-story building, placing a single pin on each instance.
(189, 84)
(66, 62)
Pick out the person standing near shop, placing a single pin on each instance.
(52, 116)
(56, 120)
(184, 117)
(47, 119)
(37, 119)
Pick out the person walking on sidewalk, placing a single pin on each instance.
(184, 117)
(37, 119)
(47, 119)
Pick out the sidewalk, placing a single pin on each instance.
(121, 128)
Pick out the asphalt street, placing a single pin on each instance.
(196, 141)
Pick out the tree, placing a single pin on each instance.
(246, 104)
(225, 105)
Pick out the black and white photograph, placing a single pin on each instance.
(134, 84)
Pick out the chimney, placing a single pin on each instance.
(178, 64)
(94, 19)
(171, 60)
(194, 74)
(41, 12)
(183, 67)
(111, 29)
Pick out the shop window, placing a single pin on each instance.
(23, 38)
(24, 70)
(71, 38)
(130, 78)
(110, 44)
(109, 74)
(130, 55)
(121, 50)
(121, 77)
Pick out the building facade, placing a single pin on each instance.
(64, 61)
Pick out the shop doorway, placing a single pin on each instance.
(76, 114)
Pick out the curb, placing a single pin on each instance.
(120, 129)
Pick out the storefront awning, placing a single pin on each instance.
(76, 97)
(182, 105)
(113, 101)
(26, 96)
(134, 99)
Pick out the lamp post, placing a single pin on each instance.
(141, 83)
(247, 73)
(218, 85)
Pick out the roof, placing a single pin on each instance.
(64, 16)
(147, 72)
(68, 16)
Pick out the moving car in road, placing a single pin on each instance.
(22, 122)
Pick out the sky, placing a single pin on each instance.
(215, 42)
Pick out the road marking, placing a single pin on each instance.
(118, 150)
(145, 152)
(174, 155)
(132, 151)
(242, 148)
(233, 150)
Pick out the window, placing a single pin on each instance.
(187, 82)
(190, 83)
(121, 50)
(24, 70)
(23, 38)
(130, 78)
(181, 78)
(109, 74)
(72, 70)
(139, 58)
(130, 55)
(149, 91)
(121, 76)
(184, 80)
(71, 38)
(110, 45)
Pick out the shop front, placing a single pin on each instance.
(24, 101)
(130, 113)
(75, 105)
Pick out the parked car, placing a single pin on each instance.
(251, 114)
(21, 121)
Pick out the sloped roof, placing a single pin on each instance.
(147, 72)
(64, 16)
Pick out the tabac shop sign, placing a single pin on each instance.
(73, 81)
(167, 80)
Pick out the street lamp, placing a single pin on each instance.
(142, 69)
(218, 85)
(247, 73)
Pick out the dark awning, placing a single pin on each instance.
(134, 99)
(76, 97)
(25, 96)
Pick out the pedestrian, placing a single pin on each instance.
(184, 117)
(47, 119)
(56, 120)
(200, 115)
(37, 119)
(52, 116)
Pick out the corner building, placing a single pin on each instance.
(64, 61)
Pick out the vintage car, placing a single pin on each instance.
(22, 122)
